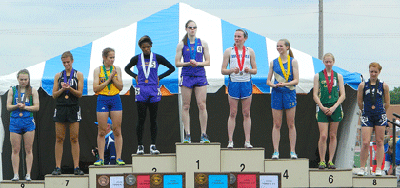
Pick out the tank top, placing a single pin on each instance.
(323, 89)
(72, 99)
(105, 91)
(189, 70)
(280, 78)
(241, 76)
(153, 75)
(28, 102)
(379, 108)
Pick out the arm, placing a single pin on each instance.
(360, 95)
(96, 81)
(77, 93)
(342, 94)
(206, 54)
(128, 67)
(162, 61)
(387, 96)
(295, 80)
(117, 80)
(270, 72)
(57, 92)
(178, 56)
(35, 107)
(10, 106)
(253, 69)
(225, 61)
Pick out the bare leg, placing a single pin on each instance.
(15, 140)
(233, 103)
(333, 127)
(366, 138)
(74, 139)
(380, 152)
(290, 113)
(323, 135)
(116, 118)
(201, 96)
(102, 118)
(60, 135)
(28, 141)
(186, 97)
(276, 130)
(246, 117)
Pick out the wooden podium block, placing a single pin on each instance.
(242, 160)
(211, 180)
(154, 163)
(154, 180)
(66, 180)
(331, 178)
(374, 181)
(106, 169)
(22, 183)
(244, 180)
(294, 172)
(197, 157)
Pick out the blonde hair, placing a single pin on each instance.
(328, 55)
(375, 64)
(287, 43)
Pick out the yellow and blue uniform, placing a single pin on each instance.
(283, 97)
(108, 99)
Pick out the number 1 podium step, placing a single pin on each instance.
(197, 157)
(294, 172)
(106, 169)
(66, 180)
(374, 181)
(331, 178)
(242, 160)
(22, 184)
(154, 163)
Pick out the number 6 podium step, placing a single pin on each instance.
(331, 178)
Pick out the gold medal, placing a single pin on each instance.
(66, 97)
(108, 92)
(21, 114)
(330, 97)
(241, 73)
(146, 81)
(373, 107)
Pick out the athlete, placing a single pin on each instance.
(22, 100)
(109, 148)
(242, 64)
(107, 83)
(147, 89)
(285, 70)
(193, 77)
(373, 100)
(328, 94)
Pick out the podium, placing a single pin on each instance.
(154, 163)
(331, 178)
(22, 183)
(374, 181)
(294, 172)
(242, 160)
(197, 157)
(106, 169)
(66, 180)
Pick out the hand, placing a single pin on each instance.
(280, 84)
(193, 63)
(236, 70)
(113, 73)
(21, 106)
(331, 110)
(325, 110)
(247, 70)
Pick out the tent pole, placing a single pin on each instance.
(182, 128)
(1, 142)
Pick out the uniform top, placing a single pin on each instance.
(153, 76)
(367, 98)
(323, 89)
(189, 70)
(280, 78)
(28, 102)
(245, 77)
(72, 99)
(105, 91)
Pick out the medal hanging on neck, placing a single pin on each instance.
(285, 74)
(68, 81)
(240, 64)
(19, 99)
(146, 72)
(106, 75)
(373, 93)
(192, 51)
(329, 84)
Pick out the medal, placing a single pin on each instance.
(330, 97)
(20, 114)
(106, 75)
(192, 52)
(329, 84)
(146, 81)
(146, 71)
(68, 80)
(19, 99)
(66, 96)
(285, 74)
(373, 93)
(373, 107)
(240, 64)
(108, 93)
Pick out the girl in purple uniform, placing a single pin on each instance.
(193, 77)
(147, 89)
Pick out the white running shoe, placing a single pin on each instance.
(275, 155)
(230, 145)
(153, 150)
(15, 178)
(361, 172)
(28, 177)
(293, 155)
(247, 145)
(140, 150)
(378, 172)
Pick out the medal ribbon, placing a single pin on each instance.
(192, 52)
(373, 94)
(240, 64)
(285, 74)
(19, 97)
(106, 75)
(146, 72)
(329, 83)
(68, 80)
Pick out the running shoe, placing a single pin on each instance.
(28, 177)
(120, 162)
(361, 172)
(204, 138)
(378, 172)
(275, 155)
(322, 165)
(153, 150)
(293, 155)
(78, 171)
(230, 145)
(187, 139)
(56, 171)
(15, 178)
(140, 150)
(99, 162)
(247, 145)
(331, 165)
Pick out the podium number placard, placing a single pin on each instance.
(244, 180)
(211, 180)
(270, 180)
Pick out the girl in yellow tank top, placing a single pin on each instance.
(110, 89)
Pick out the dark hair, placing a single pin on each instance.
(67, 54)
(28, 88)
(287, 43)
(245, 35)
(106, 51)
(145, 39)
(184, 39)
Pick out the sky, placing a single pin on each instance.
(357, 32)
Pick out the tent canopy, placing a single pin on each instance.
(166, 28)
